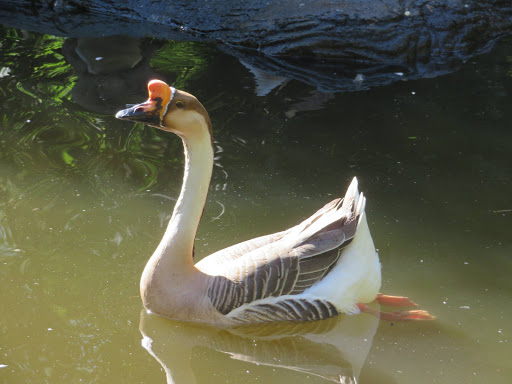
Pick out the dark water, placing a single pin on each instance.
(84, 199)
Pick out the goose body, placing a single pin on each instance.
(320, 268)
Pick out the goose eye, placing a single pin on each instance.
(179, 104)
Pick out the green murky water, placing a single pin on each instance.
(84, 199)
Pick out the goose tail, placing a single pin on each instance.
(354, 202)
(341, 213)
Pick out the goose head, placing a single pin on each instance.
(171, 110)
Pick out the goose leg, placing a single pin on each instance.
(395, 301)
(397, 315)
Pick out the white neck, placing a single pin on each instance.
(175, 251)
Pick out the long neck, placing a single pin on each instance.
(175, 251)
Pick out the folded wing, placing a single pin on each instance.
(289, 264)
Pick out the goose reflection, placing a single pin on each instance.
(334, 349)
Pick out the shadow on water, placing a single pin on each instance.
(334, 350)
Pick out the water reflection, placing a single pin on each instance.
(329, 75)
(334, 350)
(110, 70)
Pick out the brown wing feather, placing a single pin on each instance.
(264, 272)
(233, 252)
(290, 309)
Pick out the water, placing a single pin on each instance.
(84, 200)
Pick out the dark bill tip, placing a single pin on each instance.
(139, 113)
(127, 114)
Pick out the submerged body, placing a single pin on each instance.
(324, 266)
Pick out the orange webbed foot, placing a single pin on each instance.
(397, 315)
(395, 301)
(406, 315)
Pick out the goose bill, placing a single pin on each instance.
(147, 112)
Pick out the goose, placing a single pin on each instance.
(322, 267)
